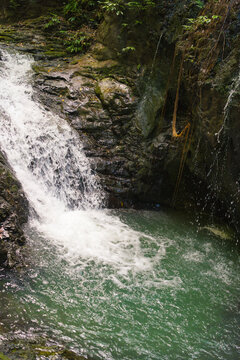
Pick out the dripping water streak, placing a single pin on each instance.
(155, 55)
(236, 83)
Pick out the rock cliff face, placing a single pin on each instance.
(13, 214)
(123, 94)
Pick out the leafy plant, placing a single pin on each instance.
(141, 5)
(79, 12)
(14, 4)
(120, 6)
(111, 6)
(73, 11)
(201, 42)
(72, 7)
(199, 3)
(77, 42)
(54, 21)
(128, 49)
(200, 20)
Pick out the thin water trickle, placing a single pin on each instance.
(110, 285)
(219, 166)
(234, 88)
(156, 52)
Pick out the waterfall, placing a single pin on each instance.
(40, 145)
(49, 161)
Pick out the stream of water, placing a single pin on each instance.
(115, 285)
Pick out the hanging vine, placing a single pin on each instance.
(200, 46)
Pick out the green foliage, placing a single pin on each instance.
(77, 42)
(199, 21)
(53, 23)
(141, 4)
(128, 49)
(199, 3)
(73, 6)
(3, 357)
(14, 4)
(79, 12)
(73, 11)
(118, 7)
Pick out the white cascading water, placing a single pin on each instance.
(56, 176)
(39, 144)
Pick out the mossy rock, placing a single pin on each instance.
(6, 38)
(109, 90)
(39, 69)
(29, 351)
(52, 54)
(3, 357)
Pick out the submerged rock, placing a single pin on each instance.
(221, 233)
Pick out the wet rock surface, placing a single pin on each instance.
(136, 162)
(13, 214)
(98, 98)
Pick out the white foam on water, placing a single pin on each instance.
(194, 256)
(95, 234)
(220, 271)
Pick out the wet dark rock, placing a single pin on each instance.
(13, 214)
(102, 109)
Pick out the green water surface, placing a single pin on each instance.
(184, 306)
